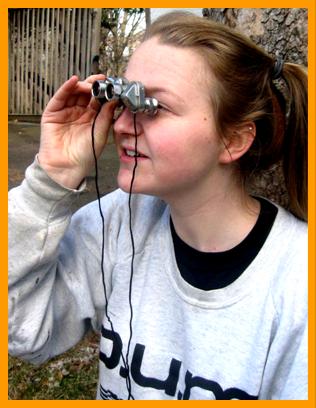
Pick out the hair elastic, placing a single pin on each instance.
(277, 68)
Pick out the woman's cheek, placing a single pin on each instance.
(169, 147)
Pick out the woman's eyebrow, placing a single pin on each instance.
(158, 89)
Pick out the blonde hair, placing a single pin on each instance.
(245, 91)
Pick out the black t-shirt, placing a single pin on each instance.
(215, 270)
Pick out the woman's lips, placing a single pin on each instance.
(133, 153)
(129, 155)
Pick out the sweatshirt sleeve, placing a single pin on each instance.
(55, 284)
(286, 369)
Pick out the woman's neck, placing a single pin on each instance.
(217, 222)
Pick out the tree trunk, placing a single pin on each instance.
(96, 39)
(147, 17)
(281, 31)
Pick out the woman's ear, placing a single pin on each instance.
(237, 143)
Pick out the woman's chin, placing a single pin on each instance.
(124, 183)
(140, 185)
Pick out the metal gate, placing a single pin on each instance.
(46, 47)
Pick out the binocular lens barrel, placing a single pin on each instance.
(102, 89)
(131, 94)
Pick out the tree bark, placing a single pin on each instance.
(95, 48)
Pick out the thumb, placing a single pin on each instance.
(103, 122)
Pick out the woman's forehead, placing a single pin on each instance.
(163, 66)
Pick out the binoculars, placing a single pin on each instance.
(129, 93)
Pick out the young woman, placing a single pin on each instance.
(206, 299)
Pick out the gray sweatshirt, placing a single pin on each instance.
(245, 341)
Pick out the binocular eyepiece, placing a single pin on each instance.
(130, 93)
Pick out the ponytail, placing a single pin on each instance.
(295, 139)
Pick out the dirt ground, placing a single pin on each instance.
(23, 145)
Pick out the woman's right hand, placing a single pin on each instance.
(66, 147)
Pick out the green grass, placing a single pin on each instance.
(71, 376)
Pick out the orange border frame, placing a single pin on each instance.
(310, 5)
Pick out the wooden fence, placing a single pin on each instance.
(46, 47)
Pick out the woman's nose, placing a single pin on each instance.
(126, 123)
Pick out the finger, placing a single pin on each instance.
(83, 100)
(71, 101)
(96, 77)
(104, 120)
(71, 96)
(95, 104)
(81, 94)
(61, 97)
